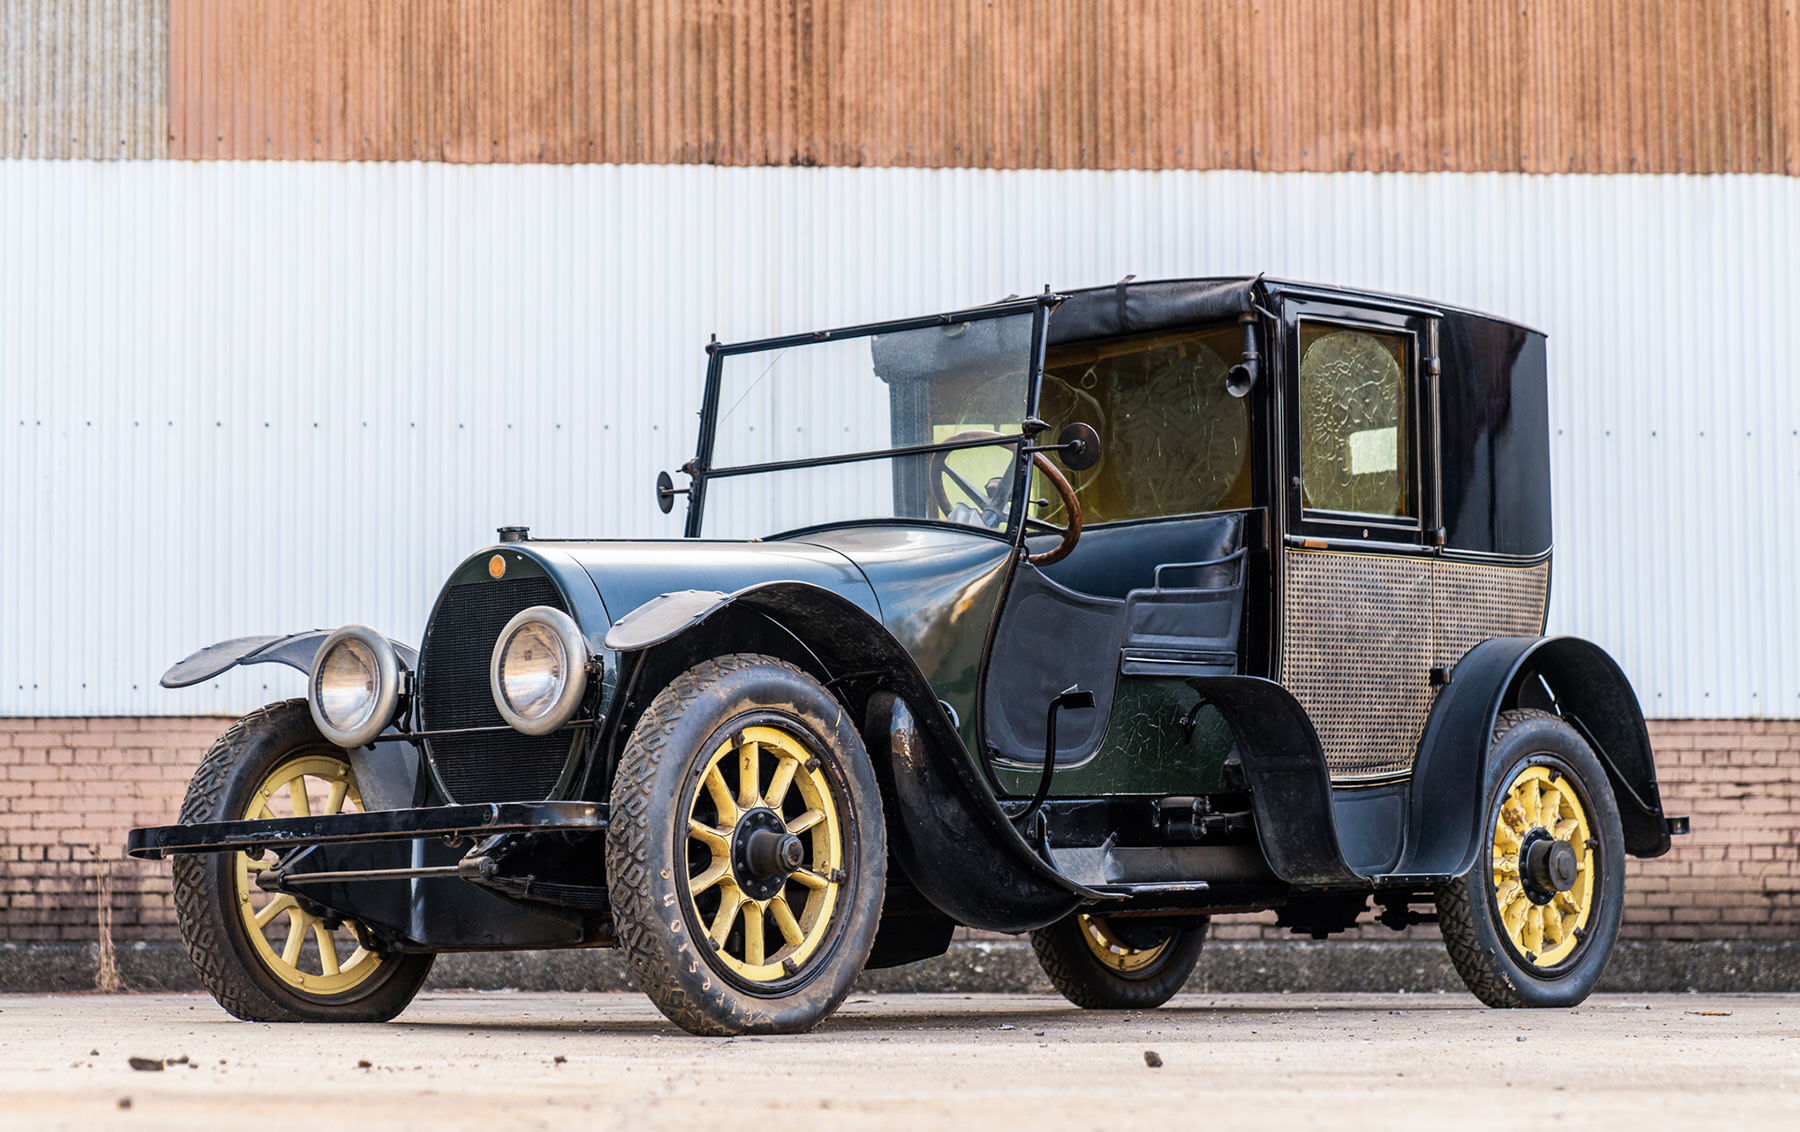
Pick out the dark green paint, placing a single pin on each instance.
(1144, 751)
(939, 591)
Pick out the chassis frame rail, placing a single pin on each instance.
(449, 822)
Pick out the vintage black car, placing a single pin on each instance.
(1088, 615)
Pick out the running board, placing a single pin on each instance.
(449, 822)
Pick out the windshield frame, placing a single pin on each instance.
(700, 469)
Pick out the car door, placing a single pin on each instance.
(1153, 593)
(1360, 527)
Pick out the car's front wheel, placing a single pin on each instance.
(1119, 963)
(1532, 923)
(746, 857)
(266, 956)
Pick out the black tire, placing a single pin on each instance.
(1501, 970)
(1134, 975)
(252, 751)
(657, 870)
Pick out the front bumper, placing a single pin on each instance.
(449, 822)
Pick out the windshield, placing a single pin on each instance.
(805, 432)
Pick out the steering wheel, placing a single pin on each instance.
(940, 470)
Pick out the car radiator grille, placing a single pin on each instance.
(491, 766)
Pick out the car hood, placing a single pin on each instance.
(887, 571)
(628, 573)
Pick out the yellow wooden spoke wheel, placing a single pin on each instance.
(275, 923)
(1533, 921)
(1113, 952)
(765, 853)
(1105, 963)
(1543, 866)
(747, 857)
(264, 956)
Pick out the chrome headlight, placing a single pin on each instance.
(539, 670)
(355, 685)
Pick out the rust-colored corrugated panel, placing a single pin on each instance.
(1407, 85)
(83, 78)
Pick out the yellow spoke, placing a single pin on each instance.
(1513, 814)
(1506, 864)
(749, 774)
(1552, 918)
(806, 821)
(1549, 808)
(358, 956)
(1506, 839)
(290, 952)
(255, 864)
(297, 792)
(713, 875)
(754, 953)
(1569, 904)
(731, 900)
(1533, 931)
(334, 802)
(716, 840)
(263, 812)
(272, 909)
(721, 796)
(780, 781)
(328, 957)
(785, 922)
(808, 878)
(1565, 829)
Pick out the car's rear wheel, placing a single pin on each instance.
(1119, 964)
(1533, 922)
(264, 955)
(746, 857)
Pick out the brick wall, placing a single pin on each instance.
(70, 788)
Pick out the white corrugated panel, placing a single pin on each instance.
(248, 398)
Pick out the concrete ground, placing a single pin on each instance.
(476, 1060)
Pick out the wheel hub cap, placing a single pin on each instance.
(764, 854)
(1551, 865)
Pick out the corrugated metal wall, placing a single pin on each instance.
(244, 398)
(1627, 86)
(83, 78)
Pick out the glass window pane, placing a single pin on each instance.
(1354, 435)
(866, 394)
(768, 503)
(1172, 440)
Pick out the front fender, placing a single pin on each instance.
(296, 650)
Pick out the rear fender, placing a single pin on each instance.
(945, 828)
(296, 650)
(1452, 779)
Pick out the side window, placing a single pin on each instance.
(1172, 440)
(1355, 421)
